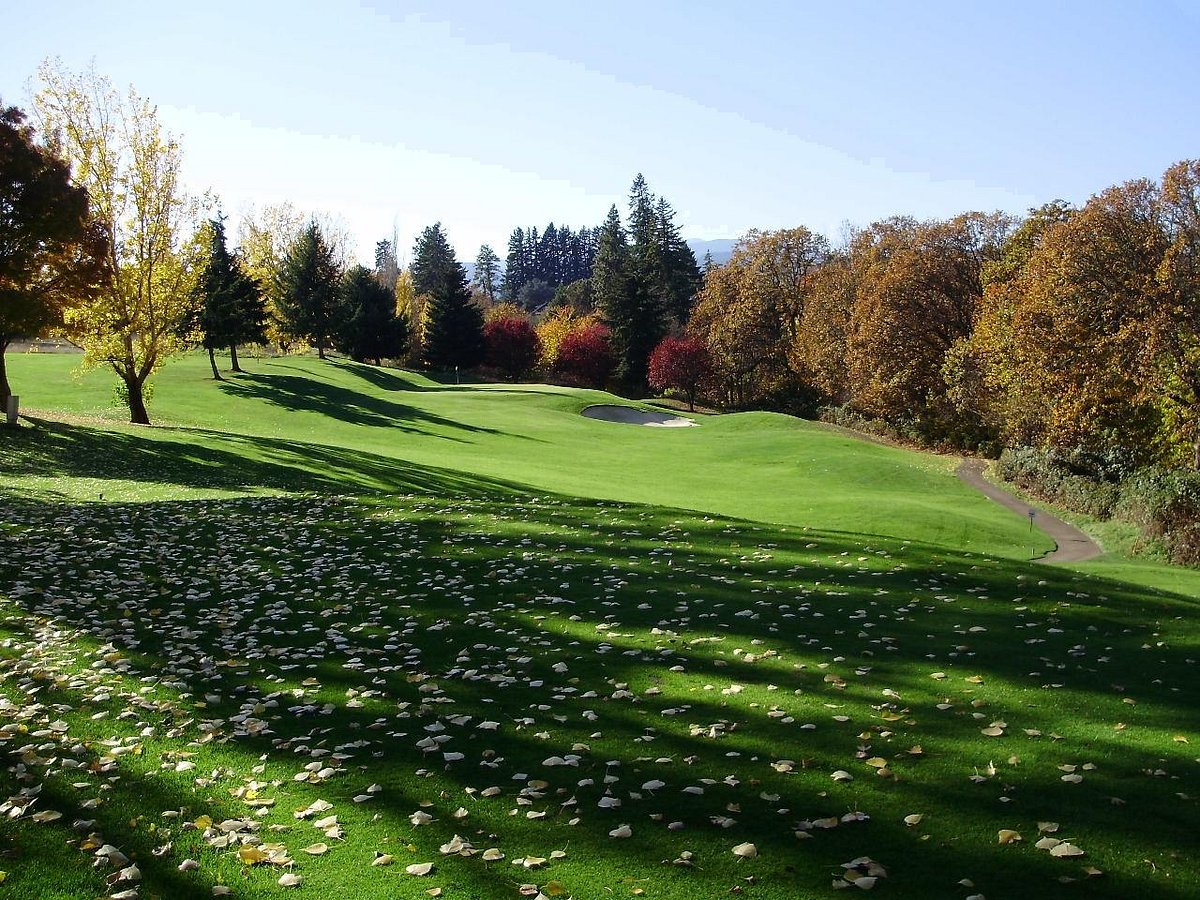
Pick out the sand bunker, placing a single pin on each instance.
(628, 415)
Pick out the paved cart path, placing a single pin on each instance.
(1073, 544)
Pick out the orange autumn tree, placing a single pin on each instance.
(749, 312)
(988, 373)
(919, 291)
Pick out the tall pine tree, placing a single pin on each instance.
(368, 327)
(453, 325)
(387, 268)
(635, 324)
(306, 288)
(487, 273)
(516, 272)
(680, 276)
(229, 307)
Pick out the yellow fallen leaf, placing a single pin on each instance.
(1008, 836)
(251, 856)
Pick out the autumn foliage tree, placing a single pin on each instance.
(681, 363)
(130, 168)
(512, 345)
(749, 312)
(918, 294)
(586, 357)
(52, 252)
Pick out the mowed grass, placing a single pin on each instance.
(324, 582)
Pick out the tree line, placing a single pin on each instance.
(1069, 328)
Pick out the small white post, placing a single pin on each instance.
(14, 404)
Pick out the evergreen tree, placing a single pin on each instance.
(387, 269)
(487, 272)
(454, 325)
(515, 270)
(307, 290)
(630, 314)
(229, 308)
(680, 277)
(250, 311)
(549, 268)
(369, 328)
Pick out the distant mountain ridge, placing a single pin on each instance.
(721, 249)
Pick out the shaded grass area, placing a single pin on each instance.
(375, 601)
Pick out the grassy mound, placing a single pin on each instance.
(335, 622)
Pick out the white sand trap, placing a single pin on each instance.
(628, 415)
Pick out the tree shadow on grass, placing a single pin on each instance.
(227, 461)
(518, 617)
(388, 381)
(300, 393)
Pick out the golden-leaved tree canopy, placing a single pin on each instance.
(749, 312)
(918, 290)
(130, 167)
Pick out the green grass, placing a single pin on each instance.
(325, 563)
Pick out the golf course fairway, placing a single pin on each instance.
(337, 631)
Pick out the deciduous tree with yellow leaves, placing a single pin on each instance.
(129, 166)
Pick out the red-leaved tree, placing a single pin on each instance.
(513, 346)
(682, 363)
(585, 356)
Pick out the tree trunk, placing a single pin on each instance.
(320, 351)
(137, 402)
(691, 401)
(5, 390)
(233, 358)
(212, 361)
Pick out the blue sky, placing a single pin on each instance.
(488, 115)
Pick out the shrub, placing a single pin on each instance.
(681, 363)
(511, 346)
(585, 356)
(1164, 504)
